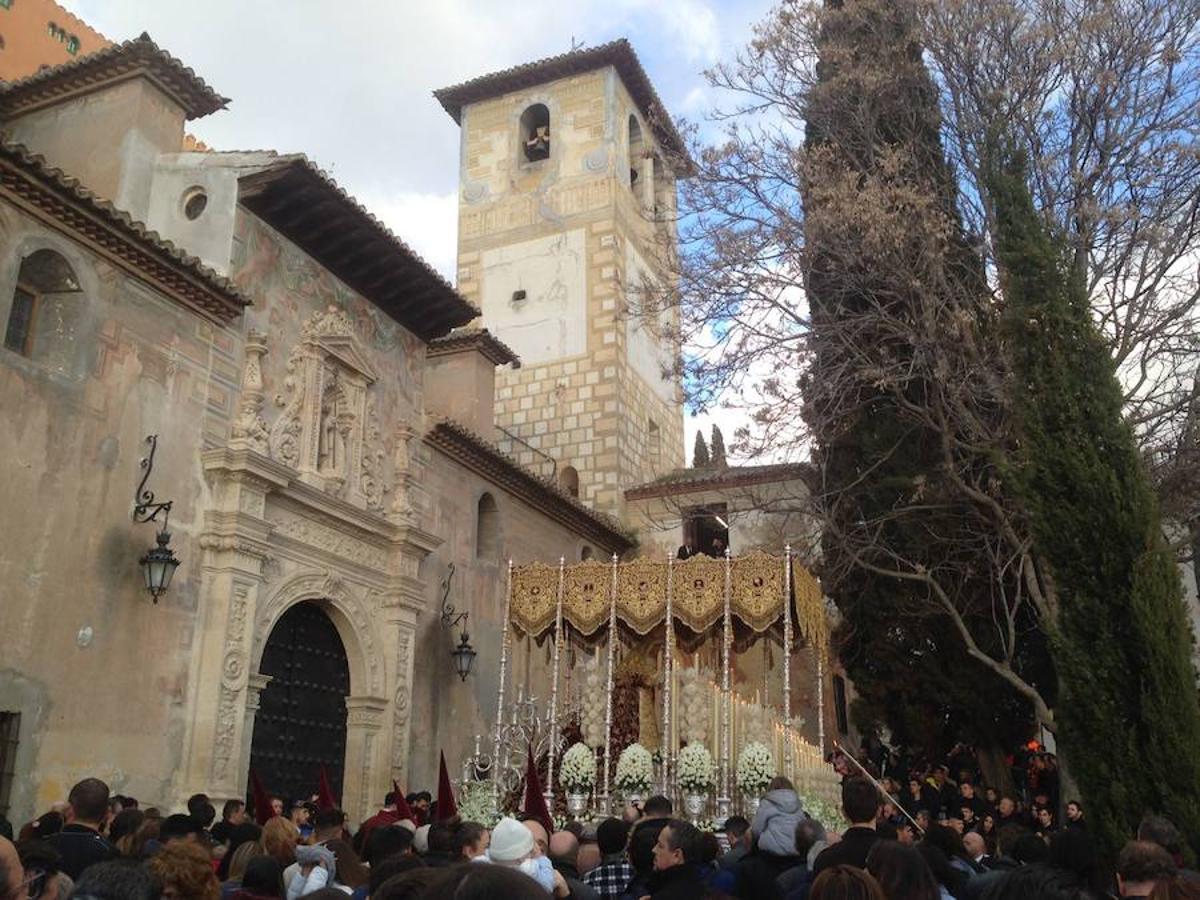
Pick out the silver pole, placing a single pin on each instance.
(612, 644)
(500, 690)
(558, 618)
(787, 658)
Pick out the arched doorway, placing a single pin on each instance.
(301, 720)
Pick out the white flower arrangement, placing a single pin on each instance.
(635, 769)
(828, 814)
(694, 769)
(755, 768)
(578, 771)
(476, 803)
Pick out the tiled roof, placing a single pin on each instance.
(140, 56)
(480, 338)
(469, 449)
(299, 200)
(683, 481)
(618, 53)
(68, 206)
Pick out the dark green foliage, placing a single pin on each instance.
(700, 452)
(1128, 717)
(876, 104)
(718, 447)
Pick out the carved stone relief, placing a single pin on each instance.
(233, 682)
(326, 430)
(249, 426)
(400, 704)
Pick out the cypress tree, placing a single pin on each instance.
(1128, 716)
(700, 452)
(718, 447)
(874, 112)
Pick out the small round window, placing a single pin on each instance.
(195, 200)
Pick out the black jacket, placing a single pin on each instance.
(759, 873)
(81, 847)
(851, 850)
(681, 882)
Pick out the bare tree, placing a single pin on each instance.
(1106, 99)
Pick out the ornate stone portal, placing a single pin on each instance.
(297, 515)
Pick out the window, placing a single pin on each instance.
(487, 529)
(586, 553)
(195, 201)
(535, 132)
(10, 726)
(636, 152)
(839, 704)
(706, 529)
(45, 308)
(653, 446)
(6, 4)
(72, 45)
(568, 480)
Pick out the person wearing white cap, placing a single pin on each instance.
(421, 840)
(513, 846)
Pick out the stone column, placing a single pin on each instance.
(234, 541)
(364, 781)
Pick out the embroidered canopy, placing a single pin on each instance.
(757, 587)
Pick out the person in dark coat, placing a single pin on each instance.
(677, 859)
(80, 842)
(860, 803)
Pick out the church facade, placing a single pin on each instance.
(325, 431)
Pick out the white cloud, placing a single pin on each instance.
(426, 222)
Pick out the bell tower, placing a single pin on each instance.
(566, 200)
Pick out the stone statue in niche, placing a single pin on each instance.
(324, 430)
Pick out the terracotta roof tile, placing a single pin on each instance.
(53, 191)
(473, 336)
(619, 54)
(302, 202)
(682, 481)
(94, 70)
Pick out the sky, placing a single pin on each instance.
(349, 82)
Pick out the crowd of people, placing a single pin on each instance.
(924, 838)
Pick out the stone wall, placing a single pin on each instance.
(97, 671)
(587, 393)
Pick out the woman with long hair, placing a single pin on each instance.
(902, 872)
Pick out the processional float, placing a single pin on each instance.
(753, 594)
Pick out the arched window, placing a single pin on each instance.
(535, 132)
(46, 309)
(487, 528)
(635, 152)
(568, 480)
(586, 553)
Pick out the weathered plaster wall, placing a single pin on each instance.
(450, 712)
(97, 671)
(109, 139)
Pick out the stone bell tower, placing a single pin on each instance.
(566, 201)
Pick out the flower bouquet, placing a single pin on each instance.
(635, 770)
(476, 803)
(755, 768)
(577, 773)
(695, 771)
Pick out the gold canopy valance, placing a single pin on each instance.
(756, 593)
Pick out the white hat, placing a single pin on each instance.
(511, 841)
(421, 839)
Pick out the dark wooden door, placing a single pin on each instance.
(301, 721)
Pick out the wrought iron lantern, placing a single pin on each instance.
(464, 654)
(159, 562)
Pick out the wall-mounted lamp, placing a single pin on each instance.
(159, 563)
(464, 654)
